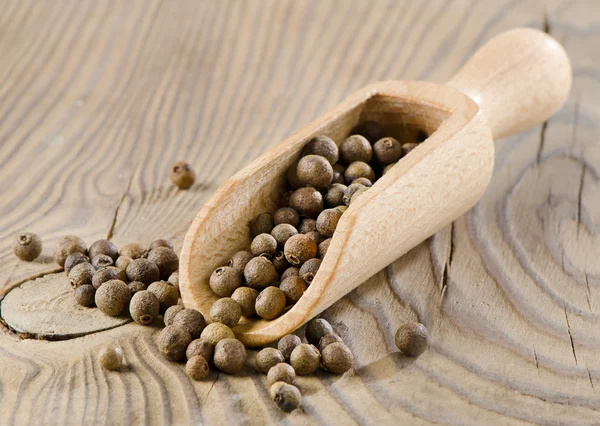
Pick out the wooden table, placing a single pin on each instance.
(97, 100)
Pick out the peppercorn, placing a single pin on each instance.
(357, 194)
(103, 275)
(172, 342)
(112, 297)
(160, 243)
(142, 270)
(363, 181)
(192, 320)
(144, 307)
(387, 150)
(85, 294)
(316, 237)
(226, 311)
(102, 261)
(166, 293)
(197, 367)
(323, 247)
(350, 190)
(230, 356)
(335, 195)
(408, 147)
(315, 171)
(263, 244)
(267, 358)
(356, 148)
(337, 358)
(182, 175)
(327, 221)
(132, 250)
(309, 270)
(287, 397)
(136, 286)
(327, 340)
(66, 246)
(281, 372)
(262, 224)
(270, 303)
(305, 359)
(316, 329)
(279, 261)
(282, 233)
(357, 170)
(324, 147)
(292, 176)
(387, 168)
(81, 274)
(246, 299)
(286, 215)
(259, 273)
(287, 344)
(412, 339)
(110, 357)
(338, 174)
(343, 208)
(75, 259)
(170, 313)
(214, 332)
(200, 347)
(290, 272)
(27, 246)
(293, 288)
(371, 130)
(239, 260)
(299, 248)
(224, 280)
(307, 202)
(103, 247)
(174, 279)
(307, 225)
(166, 260)
(123, 262)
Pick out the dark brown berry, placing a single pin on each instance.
(309, 270)
(121, 274)
(182, 175)
(323, 247)
(371, 130)
(230, 356)
(123, 262)
(350, 190)
(287, 397)
(281, 372)
(270, 303)
(85, 295)
(132, 250)
(226, 311)
(356, 148)
(290, 272)
(335, 195)
(357, 170)
(337, 358)
(299, 248)
(239, 260)
(408, 147)
(358, 194)
(246, 298)
(202, 348)
(286, 215)
(387, 150)
(327, 221)
(75, 259)
(66, 246)
(166, 293)
(224, 280)
(174, 279)
(329, 339)
(287, 344)
(136, 286)
(27, 246)
(263, 244)
(262, 224)
(113, 297)
(412, 339)
(173, 341)
(170, 313)
(343, 208)
(388, 167)
(307, 202)
(260, 273)
(197, 367)
(267, 358)
(282, 233)
(81, 274)
(142, 270)
(305, 359)
(279, 262)
(316, 237)
(105, 247)
(364, 181)
(192, 320)
(160, 243)
(324, 147)
(110, 358)
(338, 174)
(144, 307)
(103, 275)
(316, 329)
(166, 260)
(315, 171)
(293, 288)
(306, 225)
(214, 332)
(102, 261)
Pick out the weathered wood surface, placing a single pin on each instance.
(98, 98)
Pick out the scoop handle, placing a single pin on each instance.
(518, 78)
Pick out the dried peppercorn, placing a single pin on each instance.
(309, 270)
(286, 215)
(323, 247)
(166, 260)
(287, 344)
(290, 272)
(306, 225)
(172, 342)
(282, 233)
(66, 246)
(305, 359)
(226, 311)
(110, 358)
(324, 147)
(263, 244)
(166, 293)
(262, 224)
(329, 339)
(371, 130)
(132, 250)
(103, 275)
(182, 175)
(316, 237)
(357, 170)
(142, 270)
(356, 148)
(338, 174)
(102, 261)
(224, 280)
(144, 307)
(246, 298)
(335, 195)
(387, 168)
(412, 339)
(74, 259)
(170, 313)
(270, 303)
(316, 329)
(214, 332)
(123, 262)
(363, 181)
(135, 286)
(81, 274)
(192, 320)
(105, 247)
(387, 150)
(299, 248)
(315, 171)
(307, 201)
(267, 358)
(350, 190)
(292, 176)
(85, 295)
(197, 367)
(230, 355)
(287, 397)
(27, 246)
(327, 221)
(293, 288)
(239, 260)
(337, 358)
(159, 243)
(200, 347)
(408, 147)
(113, 297)
(281, 372)
(260, 273)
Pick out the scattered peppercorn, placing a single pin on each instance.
(230, 355)
(329, 339)
(338, 173)
(287, 344)
(136, 286)
(142, 270)
(357, 170)
(144, 307)
(182, 175)
(299, 248)
(166, 260)
(287, 397)
(166, 293)
(357, 194)
(350, 190)
(105, 247)
(75, 259)
(281, 372)
(66, 246)
(192, 320)
(85, 294)
(226, 311)
(263, 244)
(323, 247)
(335, 195)
(123, 262)
(290, 272)
(293, 288)
(172, 342)
(110, 357)
(132, 250)
(337, 358)
(159, 243)
(260, 273)
(316, 329)
(170, 313)
(324, 147)
(102, 261)
(309, 270)
(363, 181)
(270, 303)
(174, 279)
(327, 221)
(305, 359)
(262, 224)
(239, 260)
(197, 367)
(316, 236)
(282, 233)
(267, 358)
(279, 261)
(214, 332)
(356, 148)
(307, 201)
(27, 246)
(81, 274)
(200, 347)
(387, 150)
(112, 297)
(307, 225)
(287, 215)
(412, 339)
(315, 171)
(103, 275)
(224, 280)
(246, 299)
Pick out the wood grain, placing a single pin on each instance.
(98, 98)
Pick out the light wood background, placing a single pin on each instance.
(97, 99)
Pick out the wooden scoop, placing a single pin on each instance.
(515, 81)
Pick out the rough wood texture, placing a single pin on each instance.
(99, 98)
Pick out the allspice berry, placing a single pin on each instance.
(121, 274)
(192, 320)
(357, 194)
(75, 259)
(307, 201)
(174, 279)
(356, 148)
(226, 311)
(287, 344)
(408, 147)
(387, 150)
(166, 260)
(113, 297)
(327, 340)
(105, 247)
(81, 274)
(267, 358)
(170, 313)
(85, 295)
(324, 147)
(202, 348)
(363, 181)
(350, 190)
(239, 260)
(110, 358)
(246, 299)
(27, 246)
(260, 273)
(159, 243)
(224, 280)
(166, 293)
(263, 244)
(103, 275)
(316, 236)
(357, 170)
(309, 270)
(270, 303)
(327, 221)
(132, 250)
(337, 358)
(290, 272)
(287, 397)
(214, 332)
(412, 339)
(293, 288)
(172, 342)
(282, 233)
(343, 208)
(281, 372)
(230, 356)
(144, 307)
(316, 329)
(66, 246)
(305, 359)
(135, 286)
(307, 225)
(182, 175)
(262, 224)
(123, 262)
(299, 248)
(371, 130)
(323, 247)
(287, 215)
(338, 174)
(143, 270)
(197, 367)
(387, 168)
(315, 171)
(279, 261)
(335, 195)
(102, 261)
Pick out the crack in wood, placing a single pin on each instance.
(590, 379)
(579, 196)
(212, 385)
(589, 293)
(537, 364)
(570, 336)
(447, 265)
(113, 223)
